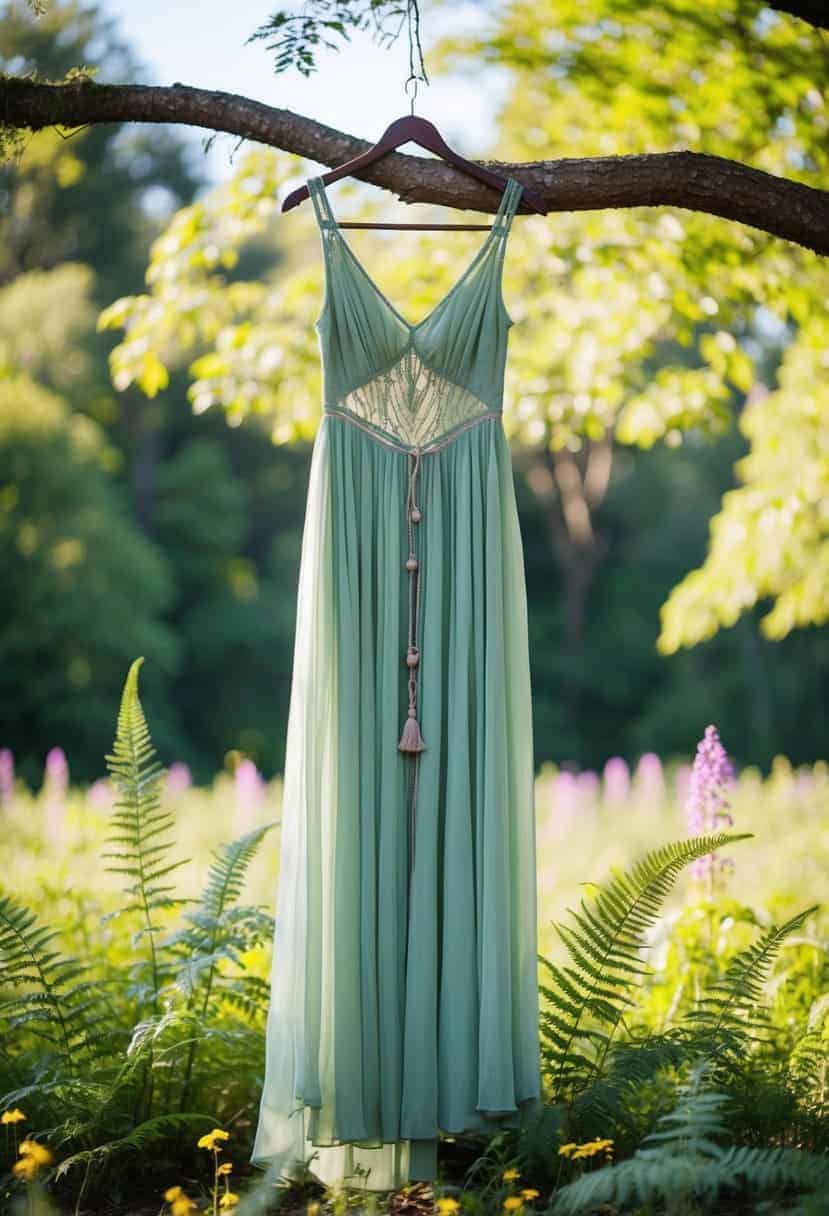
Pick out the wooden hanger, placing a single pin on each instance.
(414, 129)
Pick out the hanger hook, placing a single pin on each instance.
(411, 92)
(417, 68)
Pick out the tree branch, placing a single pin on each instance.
(692, 180)
(814, 12)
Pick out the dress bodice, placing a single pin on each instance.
(414, 385)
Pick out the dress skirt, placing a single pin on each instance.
(404, 997)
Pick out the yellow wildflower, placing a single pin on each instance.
(172, 1193)
(510, 1175)
(447, 1206)
(529, 1193)
(512, 1203)
(209, 1141)
(25, 1168)
(224, 1168)
(591, 1147)
(12, 1116)
(38, 1152)
(183, 1206)
(567, 1150)
(228, 1200)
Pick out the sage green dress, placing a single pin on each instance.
(404, 998)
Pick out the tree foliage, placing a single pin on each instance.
(710, 303)
(770, 541)
(295, 38)
(82, 587)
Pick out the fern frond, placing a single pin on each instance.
(765, 1169)
(217, 931)
(808, 1069)
(693, 1124)
(50, 1005)
(227, 874)
(249, 994)
(138, 817)
(610, 1104)
(681, 1162)
(730, 1013)
(648, 1181)
(585, 1000)
(151, 1131)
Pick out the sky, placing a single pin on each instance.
(359, 89)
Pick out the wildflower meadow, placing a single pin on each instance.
(682, 966)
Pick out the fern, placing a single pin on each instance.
(140, 833)
(150, 1132)
(766, 1169)
(54, 1000)
(613, 1103)
(808, 1068)
(140, 827)
(692, 1127)
(589, 994)
(663, 1176)
(683, 1161)
(730, 1015)
(217, 931)
(137, 1035)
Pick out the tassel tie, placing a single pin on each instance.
(411, 740)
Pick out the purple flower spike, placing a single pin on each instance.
(249, 784)
(707, 806)
(250, 792)
(6, 776)
(650, 779)
(178, 778)
(57, 770)
(588, 786)
(616, 780)
(565, 792)
(55, 785)
(100, 794)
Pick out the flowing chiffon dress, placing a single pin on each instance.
(404, 997)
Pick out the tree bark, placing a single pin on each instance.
(568, 491)
(691, 180)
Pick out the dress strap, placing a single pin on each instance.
(503, 222)
(322, 207)
(507, 206)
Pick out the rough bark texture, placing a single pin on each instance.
(681, 179)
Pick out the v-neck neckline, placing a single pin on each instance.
(500, 220)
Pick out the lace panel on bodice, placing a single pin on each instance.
(412, 403)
